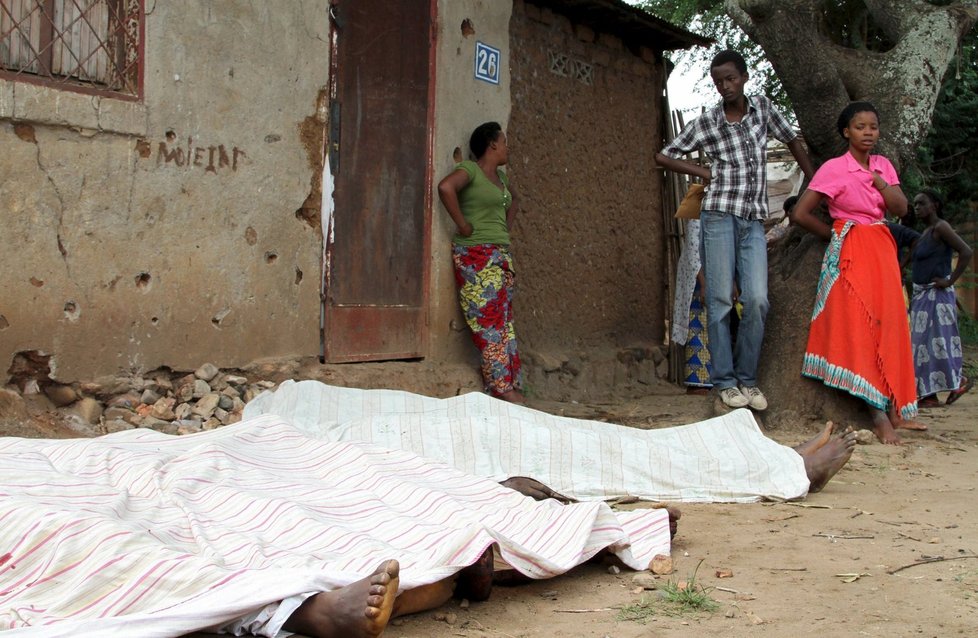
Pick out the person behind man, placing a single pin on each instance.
(734, 135)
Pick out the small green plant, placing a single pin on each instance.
(673, 600)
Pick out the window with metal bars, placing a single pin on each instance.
(89, 46)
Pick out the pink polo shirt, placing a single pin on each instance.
(849, 187)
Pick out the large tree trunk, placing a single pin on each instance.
(821, 77)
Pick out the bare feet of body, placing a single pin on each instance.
(899, 423)
(475, 581)
(883, 427)
(816, 441)
(359, 610)
(822, 463)
(512, 396)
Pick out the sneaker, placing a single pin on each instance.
(755, 398)
(733, 398)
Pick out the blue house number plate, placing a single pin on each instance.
(486, 63)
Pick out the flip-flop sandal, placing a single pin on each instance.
(957, 394)
(929, 402)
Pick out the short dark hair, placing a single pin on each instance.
(790, 203)
(482, 137)
(935, 198)
(729, 55)
(850, 112)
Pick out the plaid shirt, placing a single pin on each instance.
(738, 154)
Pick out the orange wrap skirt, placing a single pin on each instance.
(859, 339)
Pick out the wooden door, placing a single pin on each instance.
(375, 284)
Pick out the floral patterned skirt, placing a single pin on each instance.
(486, 282)
(937, 355)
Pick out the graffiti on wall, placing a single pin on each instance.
(193, 154)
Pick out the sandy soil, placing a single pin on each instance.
(791, 562)
(820, 567)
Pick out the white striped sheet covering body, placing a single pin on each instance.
(724, 459)
(144, 534)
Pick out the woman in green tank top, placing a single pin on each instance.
(480, 201)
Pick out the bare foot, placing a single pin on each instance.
(534, 489)
(883, 428)
(475, 581)
(674, 516)
(512, 396)
(817, 441)
(359, 610)
(822, 464)
(901, 424)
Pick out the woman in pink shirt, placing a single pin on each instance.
(859, 339)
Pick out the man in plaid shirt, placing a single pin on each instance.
(734, 135)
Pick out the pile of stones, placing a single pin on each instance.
(168, 402)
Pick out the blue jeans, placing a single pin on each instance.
(734, 247)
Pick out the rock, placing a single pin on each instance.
(185, 392)
(201, 388)
(159, 425)
(724, 573)
(12, 406)
(183, 430)
(729, 613)
(613, 570)
(89, 410)
(163, 409)
(77, 424)
(233, 417)
(451, 618)
(231, 391)
(659, 353)
(251, 392)
(61, 395)
(865, 437)
(266, 385)
(31, 387)
(207, 404)
(662, 369)
(128, 400)
(187, 378)
(225, 402)
(119, 414)
(163, 383)
(645, 580)
(206, 372)
(149, 396)
(117, 425)
(464, 604)
(212, 423)
(235, 380)
(661, 564)
(237, 405)
(183, 411)
(221, 415)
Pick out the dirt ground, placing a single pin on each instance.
(794, 565)
(819, 567)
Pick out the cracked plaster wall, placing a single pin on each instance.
(165, 232)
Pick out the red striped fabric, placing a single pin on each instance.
(159, 535)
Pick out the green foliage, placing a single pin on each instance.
(946, 160)
(674, 601)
